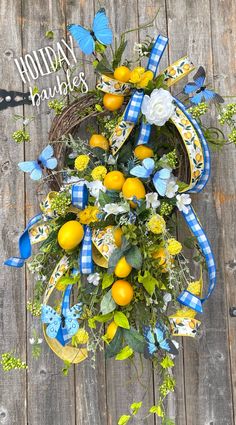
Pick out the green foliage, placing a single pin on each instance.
(61, 202)
(125, 353)
(166, 362)
(21, 136)
(114, 347)
(121, 320)
(57, 106)
(124, 419)
(66, 367)
(107, 280)
(135, 407)
(134, 339)
(99, 318)
(34, 307)
(148, 281)
(49, 34)
(107, 303)
(134, 257)
(10, 362)
(118, 53)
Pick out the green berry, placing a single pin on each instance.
(21, 136)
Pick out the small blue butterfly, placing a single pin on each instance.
(202, 93)
(54, 320)
(160, 178)
(45, 160)
(156, 340)
(100, 32)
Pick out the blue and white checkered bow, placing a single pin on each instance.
(186, 298)
(24, 245)
(62, 335)
(80, 200)
(134, 106)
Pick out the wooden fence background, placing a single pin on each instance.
(206, 368)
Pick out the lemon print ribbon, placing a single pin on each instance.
(61, 345)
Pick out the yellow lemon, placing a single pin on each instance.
(114, 180)
(122, 292)
(142, 151)
(122, 73)
(70, 235)
(112, 102)
(99, 141)
(122, 268)
(111, 330)
(118, 236)
(133, 187)
(160, 255)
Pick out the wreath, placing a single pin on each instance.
(122, 161)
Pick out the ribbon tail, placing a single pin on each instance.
(24, 245)
(186, 298)
(144, 133)
(86, 260)
(62, 335)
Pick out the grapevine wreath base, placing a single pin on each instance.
(128, 155)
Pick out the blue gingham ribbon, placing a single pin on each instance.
(62, 335)
(80, 200)
(134, 106)
(186, 298)
(201, 183)
(24, 245)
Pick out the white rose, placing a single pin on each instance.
(158, 107)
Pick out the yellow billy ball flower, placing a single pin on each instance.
(99, 172)
(156, 224)
(173, 246)
(88, 215)
(136, 74)
(145, 78)
(81, 162)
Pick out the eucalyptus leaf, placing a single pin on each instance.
(134, 257)
(135, 340)
(115, 345)
(107, 303)
(114, 258)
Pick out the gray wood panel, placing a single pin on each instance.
(205, 370)
(13, 407)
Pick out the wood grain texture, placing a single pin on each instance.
(13, 407)
(205, 369)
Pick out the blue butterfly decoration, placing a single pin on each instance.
(100, 32)
(156, 340)
(35, 168)
(200, 90)
(54, 320)
(160, 178)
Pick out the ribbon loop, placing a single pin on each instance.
(186, 298)
(86, 262)
(156, 53)
(24, 245)
(79, 196)
(134, 107)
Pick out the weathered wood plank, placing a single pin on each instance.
(207, 381)
(223, 22)
(50, 395)
(13, 408)
(90, 382)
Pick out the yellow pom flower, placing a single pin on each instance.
(145, 78)
(81, 337)
(173, 246)
(81, 162)
(136, 74)
(195, 287)
(88, 215)
(140, 77)
(156, 224)
(99, 172)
